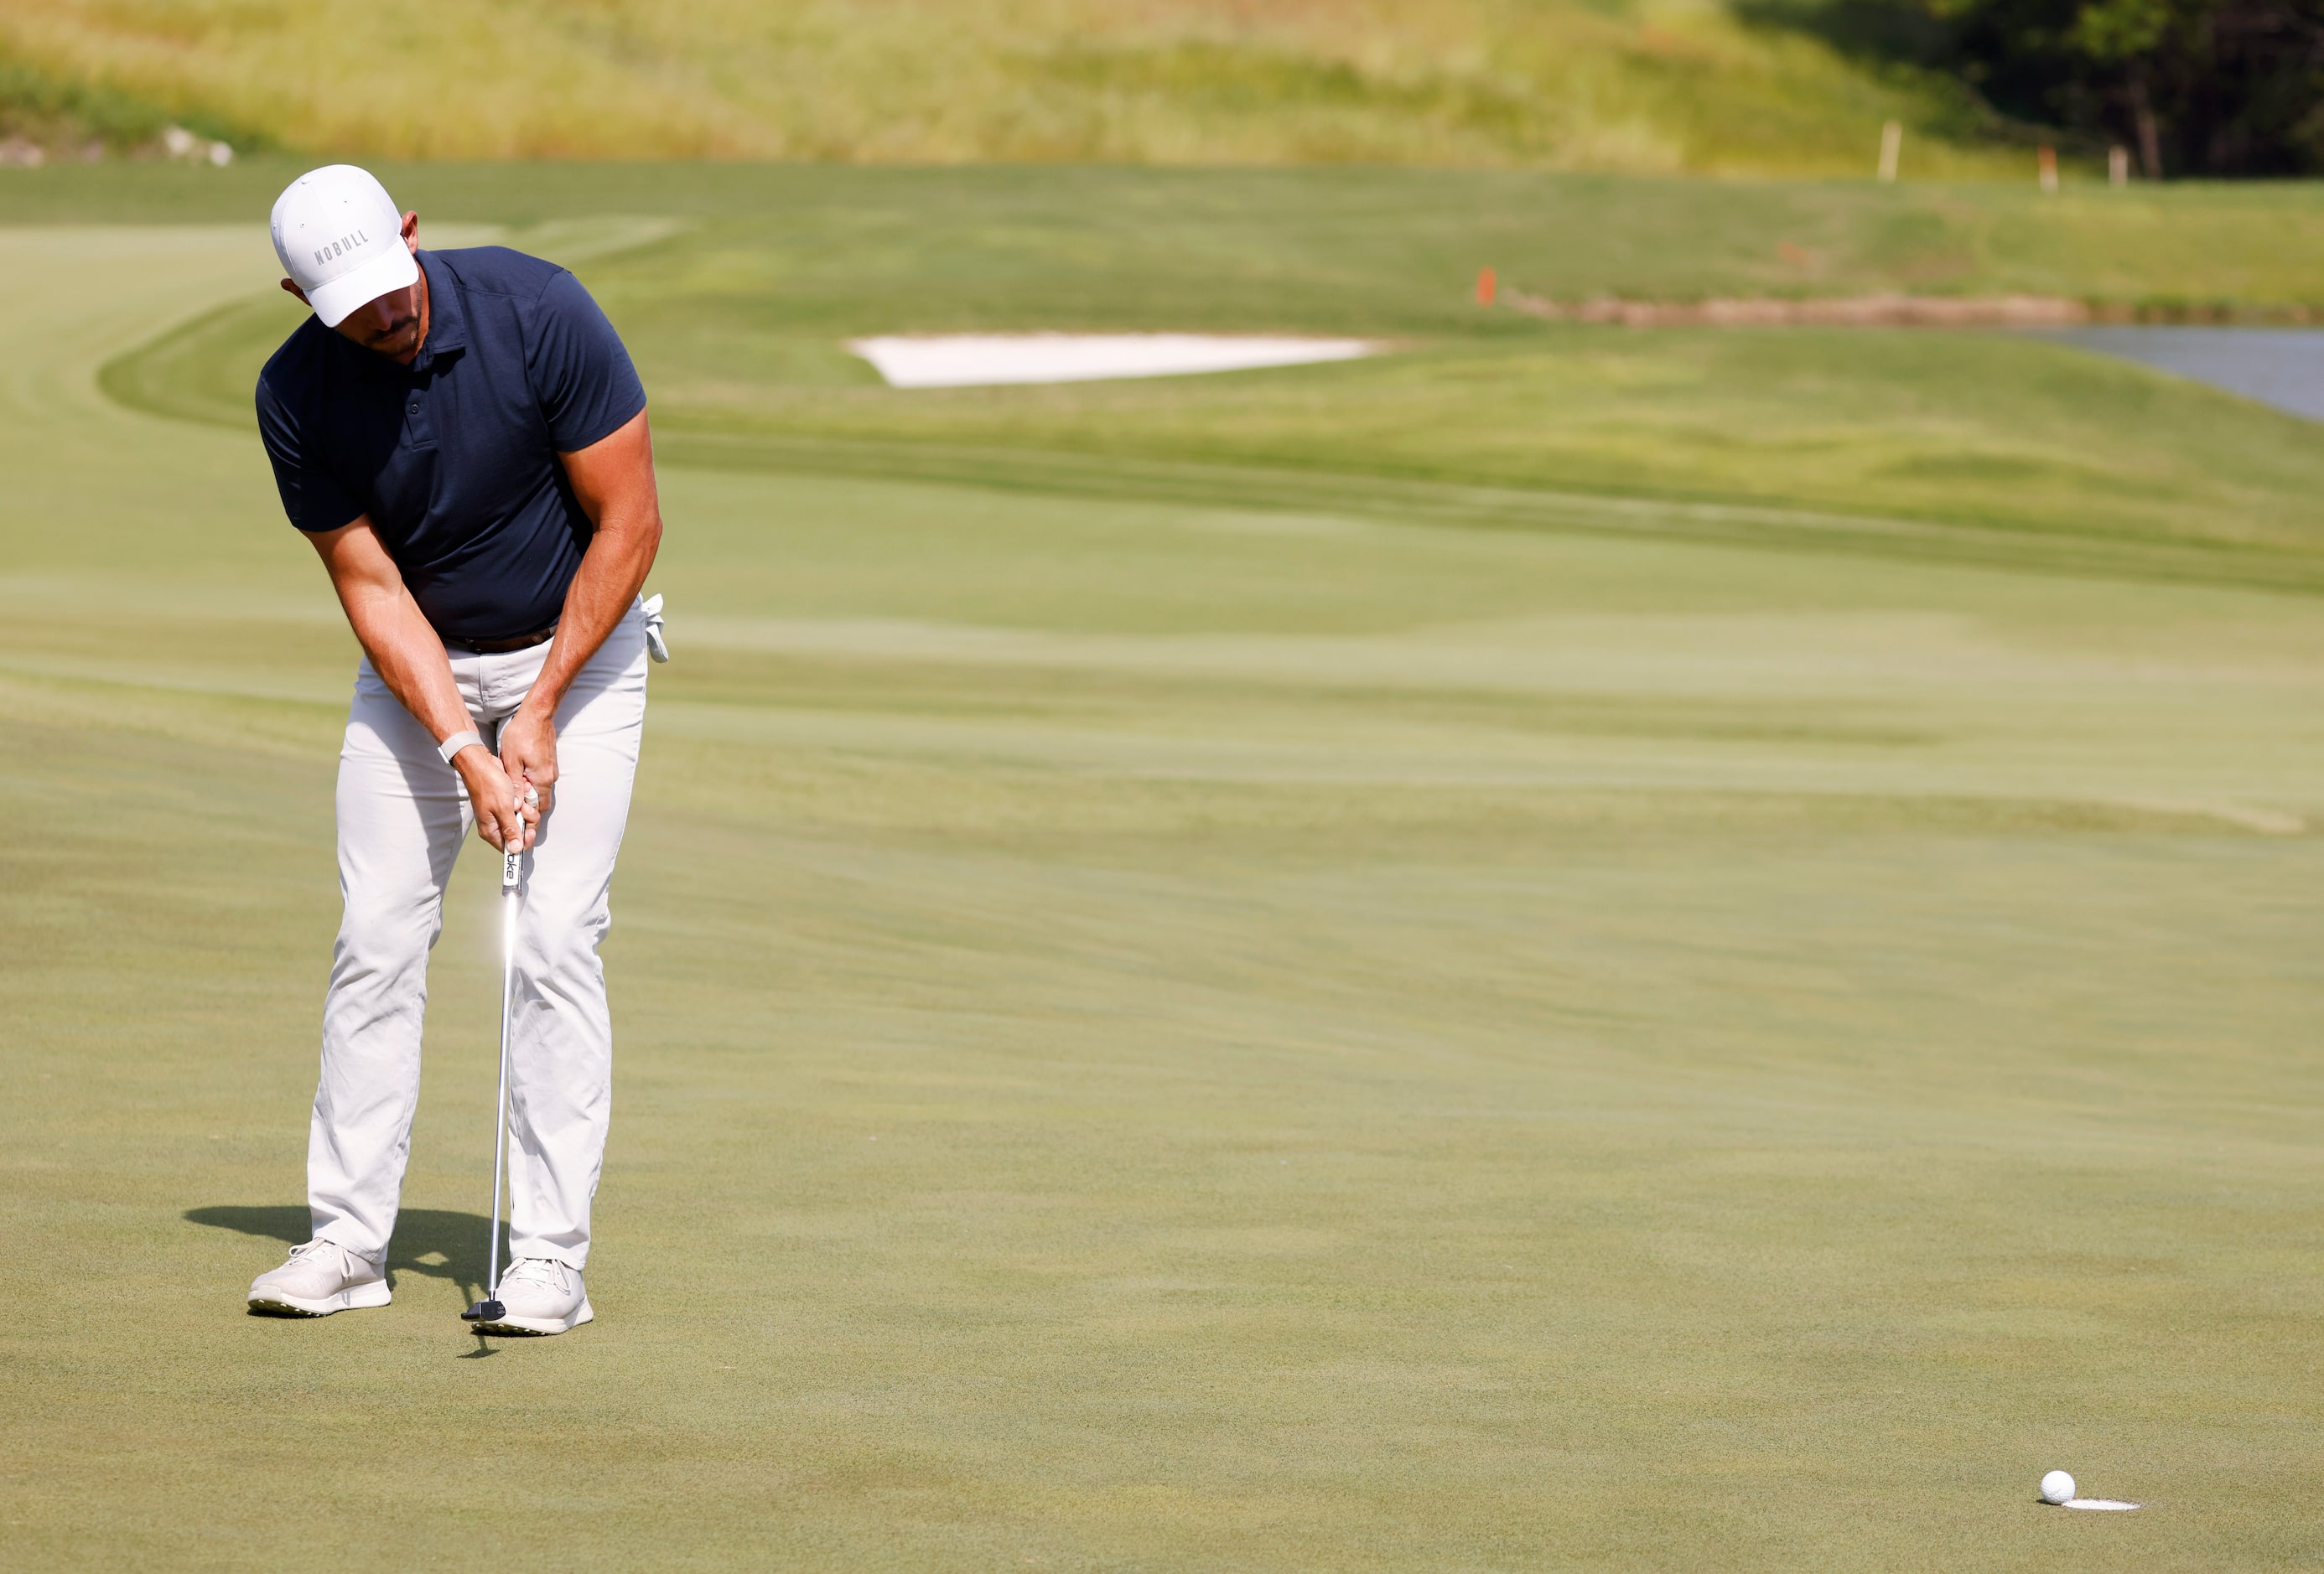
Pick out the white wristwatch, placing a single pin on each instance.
(457, 741)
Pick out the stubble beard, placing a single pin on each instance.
(400, 340)
(397, 343)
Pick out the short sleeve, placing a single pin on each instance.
(311, 496)
(580, 371)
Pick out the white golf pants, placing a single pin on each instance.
(403, 817)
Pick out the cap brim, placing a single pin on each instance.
(393, 269)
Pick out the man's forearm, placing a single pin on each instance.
(614, 481)
(409, 658)
(612, 571)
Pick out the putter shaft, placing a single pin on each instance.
(511, 877)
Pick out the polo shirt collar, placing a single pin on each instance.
(448, 319)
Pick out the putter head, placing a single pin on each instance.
(484, 1312)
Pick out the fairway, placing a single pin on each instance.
(1176, 1016)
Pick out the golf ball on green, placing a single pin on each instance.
(2057, 1487)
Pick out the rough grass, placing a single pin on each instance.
(73, 118)
(1161, 1035)
(1637, 85)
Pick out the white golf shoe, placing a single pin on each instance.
(540, 1295)
(321, 1277)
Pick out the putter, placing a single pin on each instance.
(489, 1310)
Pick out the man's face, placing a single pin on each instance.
(391, 324)
(396, 324)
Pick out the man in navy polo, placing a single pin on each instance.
(462, 437)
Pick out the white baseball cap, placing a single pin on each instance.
(341, 240)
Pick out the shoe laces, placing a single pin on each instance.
(309, 1248)
(546, 1272)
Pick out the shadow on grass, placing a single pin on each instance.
(1928, 44)
(435, 1242)
(1883, 32)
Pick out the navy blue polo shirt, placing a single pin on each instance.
(455, 456)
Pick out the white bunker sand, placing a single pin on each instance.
(980, 360)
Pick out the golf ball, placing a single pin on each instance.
(2057, 1487)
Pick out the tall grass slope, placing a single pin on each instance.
(1640, 86)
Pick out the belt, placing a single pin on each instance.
(503, 647)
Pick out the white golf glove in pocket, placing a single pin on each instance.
(657, 642)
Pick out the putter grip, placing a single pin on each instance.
(513, 857)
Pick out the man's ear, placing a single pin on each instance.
(294, 289)
(411, 230)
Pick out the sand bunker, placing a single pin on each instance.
(977, 360)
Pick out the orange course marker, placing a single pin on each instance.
(1484, 286)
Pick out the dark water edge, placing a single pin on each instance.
(2281, 367)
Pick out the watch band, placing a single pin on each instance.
(457, 741)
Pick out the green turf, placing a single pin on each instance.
(1309, 247)
(1990, 446)
(1159, 1033)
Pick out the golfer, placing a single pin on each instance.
(462, 437)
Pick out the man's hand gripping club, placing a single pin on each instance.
(508, 808)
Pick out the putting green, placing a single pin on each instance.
(1159, 1036)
